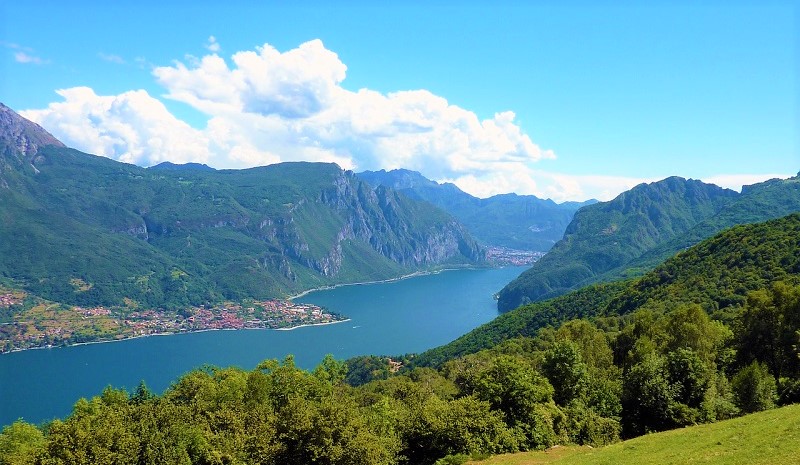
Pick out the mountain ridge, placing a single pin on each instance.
(523, 222)
(595, 248)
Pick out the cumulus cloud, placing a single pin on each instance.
(132, 127)
(265, 106)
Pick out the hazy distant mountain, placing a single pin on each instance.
(523, 222)
(83, 229)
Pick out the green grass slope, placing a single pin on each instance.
(764, 438)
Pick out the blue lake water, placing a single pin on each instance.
(399, 317)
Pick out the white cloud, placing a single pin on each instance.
(24, 57)
(111, 58)
(131, 127)
(24, 54)
(212, 45)
(294, 104)
(265, 106)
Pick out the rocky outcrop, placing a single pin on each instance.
(22, 136)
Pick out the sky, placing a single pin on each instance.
(565, 100)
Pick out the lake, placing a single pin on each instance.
(410, 315)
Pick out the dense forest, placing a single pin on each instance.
(711, 334)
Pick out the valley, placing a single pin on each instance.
(399, 233)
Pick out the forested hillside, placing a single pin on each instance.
(716, 275)
(87, 230)
(643, 227)
(711, 334)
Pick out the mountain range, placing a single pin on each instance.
(521, 222)
(640, 228)
(87, 230)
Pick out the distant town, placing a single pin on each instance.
(52, 325)
(504, 256)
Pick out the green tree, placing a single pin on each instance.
(689, 377)
(564, 368)
(754, 388)
(647, 398)
(20, 444)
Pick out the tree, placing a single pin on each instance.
(20, 444)
(647, 398)
(564, 368)
(688, 376)
(754, 388)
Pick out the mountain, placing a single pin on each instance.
(609, 235)
(716, 274)
(88, 230)
(21, 136)
(523, 222)
(758, 202)
(169, 166)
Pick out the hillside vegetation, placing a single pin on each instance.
(641, 228)
(716, 275)
(655, 360)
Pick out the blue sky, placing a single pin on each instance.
(568, 100)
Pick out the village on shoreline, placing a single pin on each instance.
(48, 324)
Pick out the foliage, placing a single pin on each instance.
(754, 388)
(582, 383)
(711, 279)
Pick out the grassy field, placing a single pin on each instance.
(771, 437)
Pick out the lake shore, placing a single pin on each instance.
(175, 333)
(380, 281)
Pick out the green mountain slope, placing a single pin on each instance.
(87, 230)
(717, 274)
(758, 202)
(610, 235)
(522, 222)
